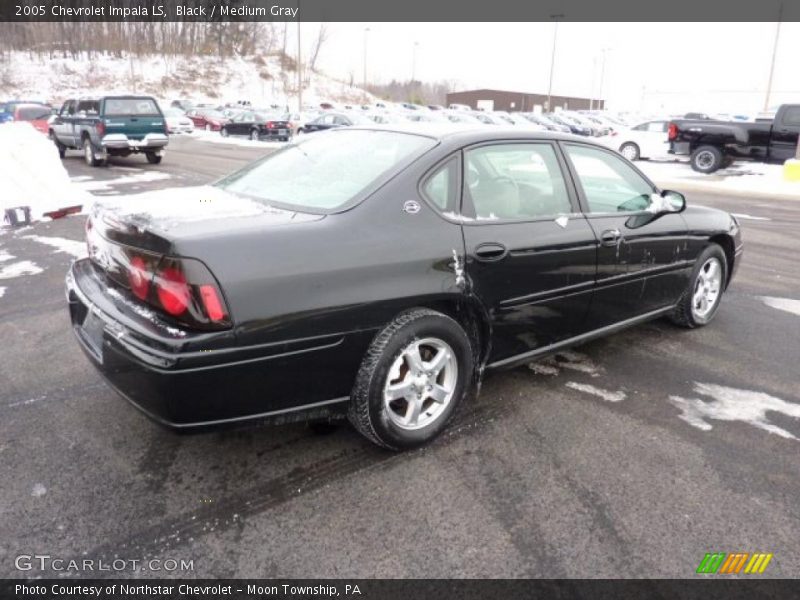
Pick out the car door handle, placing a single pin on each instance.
(490, 251)
(610, 237)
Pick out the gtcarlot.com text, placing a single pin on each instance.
(46, 562)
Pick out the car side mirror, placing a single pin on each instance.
(667, 201)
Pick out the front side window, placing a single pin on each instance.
(792, 116)
(513, 182)
(609, 184)
(325, 172)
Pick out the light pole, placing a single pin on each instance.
(366, 34)
(602, 75)
(552, 62)
(774, 54)
(299, 71)
(414, 62)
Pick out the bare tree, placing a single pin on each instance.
(322, 37)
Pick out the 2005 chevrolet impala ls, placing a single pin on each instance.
(377, 273)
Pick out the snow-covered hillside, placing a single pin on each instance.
(259, 79)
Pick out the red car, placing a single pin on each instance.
(208, 119)
(35, 114)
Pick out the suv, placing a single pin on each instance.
(111, 126)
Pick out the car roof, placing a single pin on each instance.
(472, 133)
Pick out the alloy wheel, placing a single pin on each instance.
(707, 288)
(420, 384)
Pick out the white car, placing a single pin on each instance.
(177, 121)
(645, 140)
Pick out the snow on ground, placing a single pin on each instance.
(258, 79)
(786, 304)
(2, 291)
(741, 178)
(76, 249)
(32, 172)
(214, 137)
(17, 269)
(732, 404)
(606, 395)
(102, 185)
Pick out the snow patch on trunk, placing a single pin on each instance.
(606, 395)
(732, 404)
(788, 304)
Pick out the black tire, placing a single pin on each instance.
(635, 152)
(683, 315)
(89, 154)
(153, 158)
(706, 159)
(223, 132)
(367, 411)
(62, 149)
(255, 135)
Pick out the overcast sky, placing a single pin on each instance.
(649, 66)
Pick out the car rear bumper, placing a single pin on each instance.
(188, 380)
(120, 141)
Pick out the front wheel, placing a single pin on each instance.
(62, 149)
(706, 159)
(223, 132)
(701, 299)
(415, 373)
(153, 158)
(254, 135)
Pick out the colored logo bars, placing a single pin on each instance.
(721, 563)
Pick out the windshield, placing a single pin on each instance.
(327, 170)
(120, 107)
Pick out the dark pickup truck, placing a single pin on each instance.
(111, 126)
(712, 145)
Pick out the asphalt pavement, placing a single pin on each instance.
(631, 456)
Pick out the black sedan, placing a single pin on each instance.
(257, 126)
(331, 120)
(377, 273)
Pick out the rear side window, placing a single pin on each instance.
(131, 107)
(441, 188)
(792, 116)
(513, 182)
(89, 107)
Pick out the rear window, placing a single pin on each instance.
(89, 107)
(327, 170)
(121, 107)
(31, 113)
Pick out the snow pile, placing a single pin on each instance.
(32, 173)
(259, 79)
(742, 178)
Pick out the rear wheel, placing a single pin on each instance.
(701, 299)
(415, 373)
(89, 154)
(630, 151)
(153, 158)
(224, 132)
(208, 127)
(254, 135)
(706, 159)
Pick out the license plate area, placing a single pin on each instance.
(91, 331)
(281, 132)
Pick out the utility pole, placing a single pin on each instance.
(600, 103)
(414, 62)
(552, 62)
(774, 54)
(299, 70)
(366, 35)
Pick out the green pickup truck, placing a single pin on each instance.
(110, 126)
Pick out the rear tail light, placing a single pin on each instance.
(672, 132)
(173, 291)
(101, 128)
(139, 278)
(270, 124)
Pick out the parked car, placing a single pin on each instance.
(111, 126)
(7, 108)
(37, 115)
(459, 107)
(574, 126)
(596, 128)
(299, 119)
(177, 121)
(331, 120)
(258, 126)
(712, 145)
(261, 303)
(548, 124)
(208, 118)
(645, 140)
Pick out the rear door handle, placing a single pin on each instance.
(491, 251)
(610, 237)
